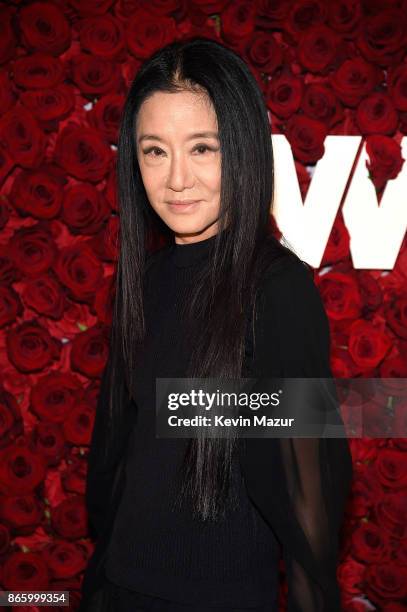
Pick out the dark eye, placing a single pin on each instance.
(200, 147)
(205, 148)
(148, 151)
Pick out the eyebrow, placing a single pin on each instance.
(191, 137)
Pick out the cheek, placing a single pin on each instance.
(150, 178)
(210, 176)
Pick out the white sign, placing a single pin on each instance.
(376, 232)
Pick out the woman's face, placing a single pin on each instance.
(178, 152)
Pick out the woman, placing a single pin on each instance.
(199, 524)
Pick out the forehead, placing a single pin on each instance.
(176, 113)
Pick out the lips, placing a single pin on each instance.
(182, 202)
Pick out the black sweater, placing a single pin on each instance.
(300, 485)
(155, 548)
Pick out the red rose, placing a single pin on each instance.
(303, 16)
(73, 585)
(11, 425)
(350, 409)
(382, 36)
(370, 290)
(306, 137)
(44, 27)
(351, 576)
(238, 21)
(54, 396)
(69, 518)
(102, 36)
(105, 116)
(10, 306)
(80, 271)
(319, 102)
(385, 581)
(341, 364)
(385, 160)
(110, 190)
(272, 14)
(38, 193)
(85, 209)
(104, 301)
(147, 32)
(354, 79)
(209, 7)
(344, 18)
(83, 153)
(318, 48)
(65, 559)
(377, 421)
(22, 137)
(77, 316)
(4, 210)
(396, 316)
(390, 512)
(8, 96)
(370, 544)
(73, 478)
(49, 441)
(394, 607)
(33, 250)
(31, 348)
(91, 7)
(368, 344)
(391, 466)
(364, 451)
(44, 295)
(22, 512)
(95, 75)
(38, 71)
(110, 239)
(376, 114)
(337, 248)
(397, 85)
(265, 52)
(400, 420)
(393, 371)
(283, 94)
(355, 605)
(8, 37)
(49, 105)
(396, 282)
(340, 294)
(366, 491)
(91, 392)
(25, 571)
(90, 351)
(79, 424)
(21, 470)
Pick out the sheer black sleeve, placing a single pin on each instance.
(309, 477)
(98, 479)
(104, 457)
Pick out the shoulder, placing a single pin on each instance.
(287, 279)
(292, 324)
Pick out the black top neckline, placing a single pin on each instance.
(188, 254)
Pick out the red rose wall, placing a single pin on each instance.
(336, 67)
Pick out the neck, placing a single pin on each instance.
(190, 253)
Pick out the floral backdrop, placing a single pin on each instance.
(337, 67)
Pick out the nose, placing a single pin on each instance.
(180, 176)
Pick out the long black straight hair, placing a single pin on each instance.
(224, 295)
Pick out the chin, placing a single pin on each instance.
(189, 227)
